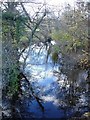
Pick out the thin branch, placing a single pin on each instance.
(31, 30)
(26, 12)
(5, 6)
(36, 13)
(37, 24)
(22, 52)
(32, 91)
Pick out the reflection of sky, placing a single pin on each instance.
(50, 110)
(38, 68)
(40, 71)
(48, 85)
(42, 76)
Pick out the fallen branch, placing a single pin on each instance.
(33, 94)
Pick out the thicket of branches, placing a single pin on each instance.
(24, 24)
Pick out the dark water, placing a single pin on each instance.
(60, 97)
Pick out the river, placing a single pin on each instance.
(55, 97)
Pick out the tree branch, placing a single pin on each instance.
(26, 12)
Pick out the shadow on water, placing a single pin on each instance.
(54, 94)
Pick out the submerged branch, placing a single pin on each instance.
(33, 93)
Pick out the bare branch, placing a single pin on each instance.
(26, 12)
(31, 30)
(38, 23)
(5, 6)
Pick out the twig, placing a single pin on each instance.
(26, 12)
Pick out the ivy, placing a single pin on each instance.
(13, 80)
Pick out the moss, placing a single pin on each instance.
(55, 57)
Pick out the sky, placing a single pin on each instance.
(55, 5)
(52, 4)
(58, 2)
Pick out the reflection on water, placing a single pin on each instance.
(61, 96)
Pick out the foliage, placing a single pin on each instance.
(56, 48)
(18, 31)
(13, 86)
(18, 28)
(69, 31)
(55, 57)
(61, 35)
(13, 30)
(72, 34)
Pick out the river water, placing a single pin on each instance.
(52, 88)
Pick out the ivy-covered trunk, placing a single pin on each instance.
(10, 61)
(10, 56)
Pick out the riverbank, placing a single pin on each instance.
(51, 90)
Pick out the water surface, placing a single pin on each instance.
(51, 87)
